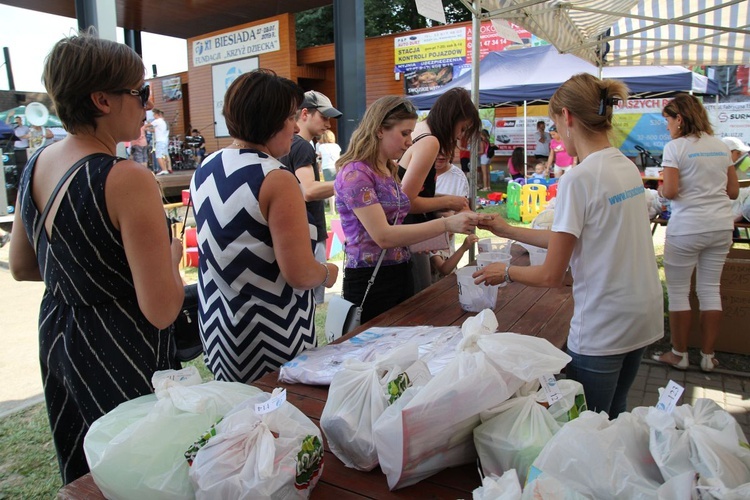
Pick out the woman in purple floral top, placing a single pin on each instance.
(372, 206)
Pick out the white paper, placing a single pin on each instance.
(432, 9)
(272, 404)
(669, 396)
(551, 390)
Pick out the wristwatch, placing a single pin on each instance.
(507, 275)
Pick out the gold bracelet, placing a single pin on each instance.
(328, 274)
(445, 224)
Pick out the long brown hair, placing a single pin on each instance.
(364, 145)
(453, 106)
(694, 117)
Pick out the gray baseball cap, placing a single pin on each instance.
(320, 102)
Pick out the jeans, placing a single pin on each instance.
(606, 380)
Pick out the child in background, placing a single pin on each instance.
(484, 159)
(444, 263)
(540, 171)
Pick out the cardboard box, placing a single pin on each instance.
(734, 335)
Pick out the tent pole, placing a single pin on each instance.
(525, 143)
(476, 26)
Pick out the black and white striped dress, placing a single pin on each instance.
(252, 321)
(97, 349)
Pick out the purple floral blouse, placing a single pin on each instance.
(356, 186)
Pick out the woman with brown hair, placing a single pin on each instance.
(452, 119)
(255, 245)
(111, 272)
(700, 179)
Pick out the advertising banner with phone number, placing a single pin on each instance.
(638, 123)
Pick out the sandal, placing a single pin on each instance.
(680, 365)
(708, 362)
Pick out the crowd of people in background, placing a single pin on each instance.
(259, 208)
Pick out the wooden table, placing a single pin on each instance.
(542, 312)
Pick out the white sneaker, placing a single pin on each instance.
(163, 172)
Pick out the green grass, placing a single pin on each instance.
(28, 464)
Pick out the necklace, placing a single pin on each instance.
(244, 145)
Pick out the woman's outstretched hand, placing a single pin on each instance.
(496, 225)
(491, 274)
(465, 222)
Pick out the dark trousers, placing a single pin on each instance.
(392, 286)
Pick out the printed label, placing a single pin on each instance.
(669, 396)
(272, 404)
(551, 389)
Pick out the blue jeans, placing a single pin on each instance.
(606, 380)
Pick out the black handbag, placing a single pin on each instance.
(185, 329)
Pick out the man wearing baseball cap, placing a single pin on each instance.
(313, 118)
(739, 156)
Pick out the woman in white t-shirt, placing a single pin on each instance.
(700, 179)
(601, 230)
(328, 152)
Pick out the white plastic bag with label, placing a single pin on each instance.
(513, 438)
(703, 438)
(572, 404)
(137, 449)
(418, 437)
(602, 459)
(505, 487)
(278, 454)
(357, 397)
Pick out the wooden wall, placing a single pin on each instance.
(283, 62)
(175, 112)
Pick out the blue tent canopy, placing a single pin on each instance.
(513, 76)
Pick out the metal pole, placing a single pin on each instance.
(8, 69)
(476, 26)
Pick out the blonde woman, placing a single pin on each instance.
(601, 230)
(328, 153)
(372, 206)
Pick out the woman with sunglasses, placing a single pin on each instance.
(372, 205)
(104, 252)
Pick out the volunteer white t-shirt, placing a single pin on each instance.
(702, 203)
(161, 131)
(619, 305)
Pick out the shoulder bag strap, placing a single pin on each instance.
(382, 252)
(40, 225)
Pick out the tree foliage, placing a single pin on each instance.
(315, 26)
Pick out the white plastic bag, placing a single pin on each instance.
(572, 403)
(357, 397)
(702, 438)
(505, 487)
(137, 450)
(418, 437)
(602, 459)
(317, 366)
(277, 455)
(513, 438)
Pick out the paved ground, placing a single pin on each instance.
(21, 380)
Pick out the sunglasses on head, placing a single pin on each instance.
(143, 93)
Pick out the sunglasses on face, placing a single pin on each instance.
(143, 93)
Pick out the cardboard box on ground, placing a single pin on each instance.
(735, 302)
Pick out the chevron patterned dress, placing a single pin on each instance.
(96, 348)
(251, 320)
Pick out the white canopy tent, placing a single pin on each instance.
(633, 32)
(625, 32)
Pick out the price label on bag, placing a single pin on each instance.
(551, 389)
(272, 404)
(669, 396)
